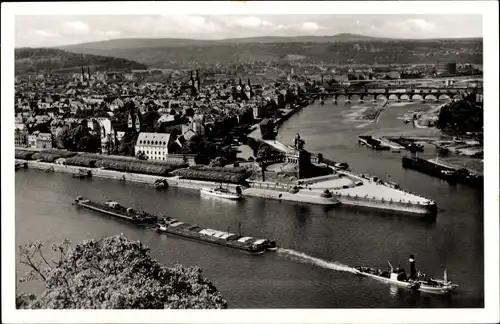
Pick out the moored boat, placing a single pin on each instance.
(114, 209)
(249, 244)
(416, 281)
(372, 143)
(82, 174)
(19, 165)
(222, 193)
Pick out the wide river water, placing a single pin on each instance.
(316, 245)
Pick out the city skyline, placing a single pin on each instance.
(47, 31)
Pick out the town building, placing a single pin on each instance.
(259, 111)
(119, 136)
(40, 140)
(20, 137)
(446, 68)
(154, 145)
(195, 126)
(108, 138)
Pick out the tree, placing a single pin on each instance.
(189, 112)
(263, 153)
(127, 145)
(141, 155)
(78, 139)
(112, 273)
(148, 121)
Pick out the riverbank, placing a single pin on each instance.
(287, 113)
(254, 190)
(126, 176)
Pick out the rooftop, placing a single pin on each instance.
(154, 139)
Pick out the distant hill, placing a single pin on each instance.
(340, 49)
(130, 43)
(38, 60)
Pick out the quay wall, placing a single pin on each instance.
(257, 189)
(126, 176)
(376, 203)
(292, 112)
(270, 185)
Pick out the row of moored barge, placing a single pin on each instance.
(173, 226)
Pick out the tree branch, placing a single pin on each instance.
(30, 264)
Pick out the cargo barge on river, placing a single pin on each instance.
(372, 143)
(439, 170)
(249, 244)
(112, 208)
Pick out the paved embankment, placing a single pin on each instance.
(369, 195)
(302, 196)
(351, 189)
(126, 176)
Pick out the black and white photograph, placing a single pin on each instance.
(287, 162)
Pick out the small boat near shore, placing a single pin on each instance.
(21, 165)
(114, 209)
(222, 193)
(82, 174)
(249, 244)
(416, 281)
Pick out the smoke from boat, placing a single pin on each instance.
(304, 258)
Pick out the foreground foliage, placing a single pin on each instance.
(113, 273)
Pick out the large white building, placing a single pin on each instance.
(154, 145)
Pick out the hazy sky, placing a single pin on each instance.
(37, 31)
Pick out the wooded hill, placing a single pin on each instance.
(339, 49)
(45, 60)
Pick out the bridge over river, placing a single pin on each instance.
(408, 93)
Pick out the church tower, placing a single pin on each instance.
(248, 90)
(198, 85)
(138, 122)
(134, 120)
(192, 84)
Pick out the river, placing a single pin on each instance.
(310, 269)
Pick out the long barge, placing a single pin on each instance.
(409, 144)
(249, 244)
(173, 226)
(450, 174)
(372, 143)
(112, 208)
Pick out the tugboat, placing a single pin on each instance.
(222, 193)
(417, 280)
(394, 276)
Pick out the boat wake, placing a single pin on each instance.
(304, 258)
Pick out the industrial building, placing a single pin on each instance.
(446, 68)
